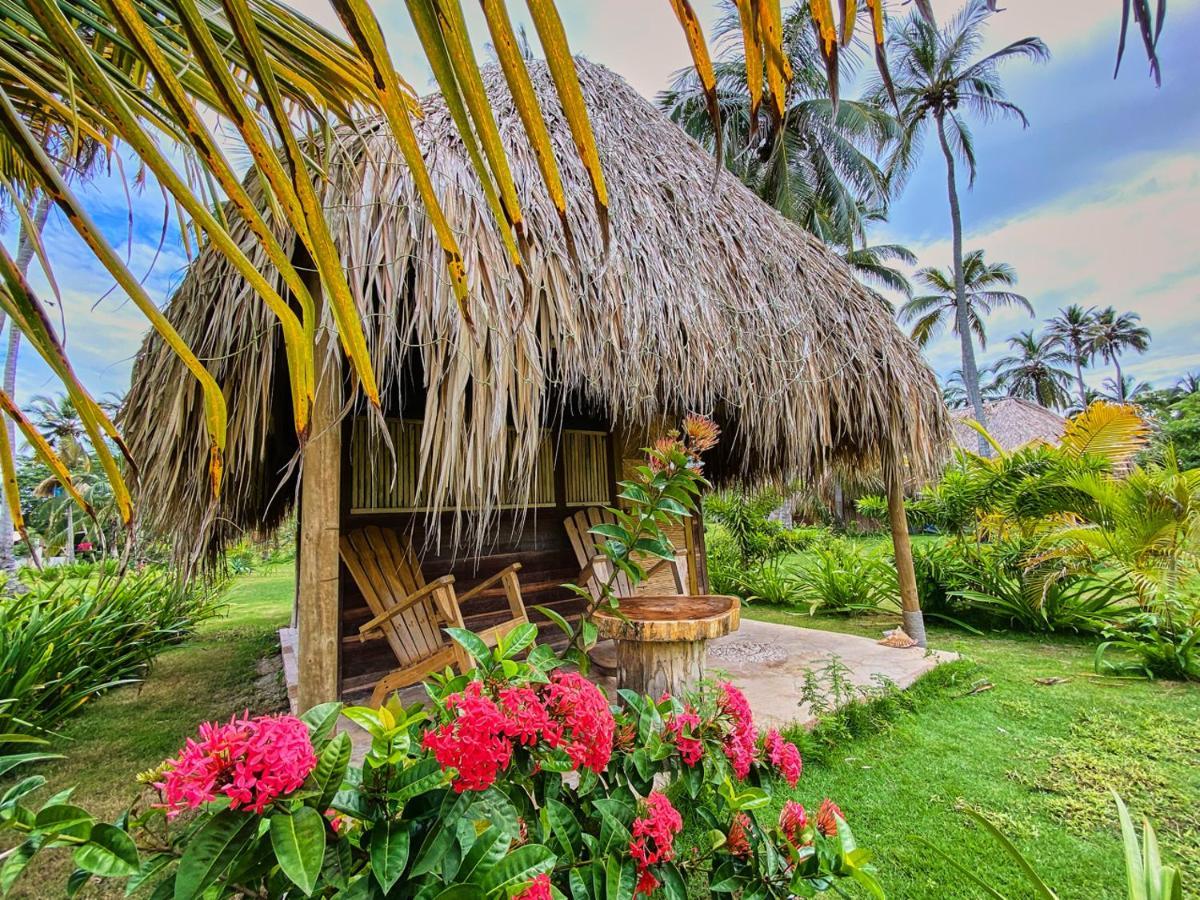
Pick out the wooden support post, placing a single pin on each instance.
(318, 613)
(910, 603)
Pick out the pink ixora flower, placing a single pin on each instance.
(738, 842)
(784, 756)
(587, 722)
(654, 839)
(684, 730)
(538, 889)
(475, 743)
(742, 736)
(250, 761)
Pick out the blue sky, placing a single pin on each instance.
(1096, 203)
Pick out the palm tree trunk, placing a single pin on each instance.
(1079, 379)
(962, 318)
(1120, 379)
(69, 546)
(24, 257)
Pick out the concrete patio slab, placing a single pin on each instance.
(767, 661)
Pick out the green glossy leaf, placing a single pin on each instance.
(419, 778)
(489, 848)
(326, 779)
(564, 826)
(8, 763)
(298, 839)
(321, 721)
(389, 852)
(472, 643)
(212, 850)
(150, 867)
(64, 819)
(619, 879)
(523, 864)
(16, 861)
(20, 789)
(518, 639)
(109, 852)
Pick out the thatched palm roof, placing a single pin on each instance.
(705, 299)
(1013, 423)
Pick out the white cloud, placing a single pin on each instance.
(1129, 241)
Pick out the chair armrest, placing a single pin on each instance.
(678, 564)
(407, 602)
(487, 583)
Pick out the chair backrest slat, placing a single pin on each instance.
(587, 546)
(384, 567)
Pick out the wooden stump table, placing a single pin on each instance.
(662, 641)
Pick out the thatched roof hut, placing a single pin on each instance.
(1013, 422)
(704, 299)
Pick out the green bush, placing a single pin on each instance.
(68, 639)
(773, 580)
(724, 558)
(745, 515)
(844, 576)
(1162, 644)
(82, 568)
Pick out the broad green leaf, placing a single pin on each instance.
(389, 852)
(321, 720)
(109, 851)
(212, 850)
(489, 848)
(326, 778)
(16, 861)
(564, 825)
(619, 879)
(422, 776)
(64, 819)
(523, 864)
(519, 638)
(150, 867)
(298, 840)
(20, 789)
(472, 643)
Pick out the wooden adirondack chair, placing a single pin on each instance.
(410, 613)
(595, 568)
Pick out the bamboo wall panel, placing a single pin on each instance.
(586, 465)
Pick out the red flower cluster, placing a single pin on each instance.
(570, 712)
(539, 889)
(250, 761)
(654, 839)
(784, 756)
(792, 822)
(738, 841)
(587, 722)
(476, 743)
(739, 743)
(684, 729)
(827, 817)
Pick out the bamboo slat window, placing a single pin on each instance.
(586, 465)
(383, 482)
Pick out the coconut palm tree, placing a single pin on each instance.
(985, 291)
(1127, 390)
(939, 78)
(1072, 328)
(1113, 333)
(1034, 371)
(820, 168)
(955, 395)
(60, 424)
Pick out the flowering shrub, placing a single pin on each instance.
(519, 780)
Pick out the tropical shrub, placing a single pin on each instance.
(522, 781)
(745, 516)
(724, 558)
(67, 639)
(942, 571)
(844, 576)
(78, 569)
(1164, 643)
(774, 580)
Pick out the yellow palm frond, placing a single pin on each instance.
(1115, 432)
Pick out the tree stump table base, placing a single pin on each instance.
(662, 641)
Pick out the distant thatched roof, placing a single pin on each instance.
(706, 299)
(1013, 422)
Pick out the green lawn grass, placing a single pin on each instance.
(1037, 759)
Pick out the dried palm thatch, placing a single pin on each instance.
(704, 298)
(1013, 422)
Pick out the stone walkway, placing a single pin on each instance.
(768, 662)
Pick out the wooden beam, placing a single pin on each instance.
(317, 618)
(910, 603)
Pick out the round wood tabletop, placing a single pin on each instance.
(670, 618)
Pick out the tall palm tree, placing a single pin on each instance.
(938, 78)
(955, 395)
(1113, 333)
(820, 168)
(60, 424)
(1072, 327)
(984, 291)
(1127, 390)
(1188, 384)
(1035, 370)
